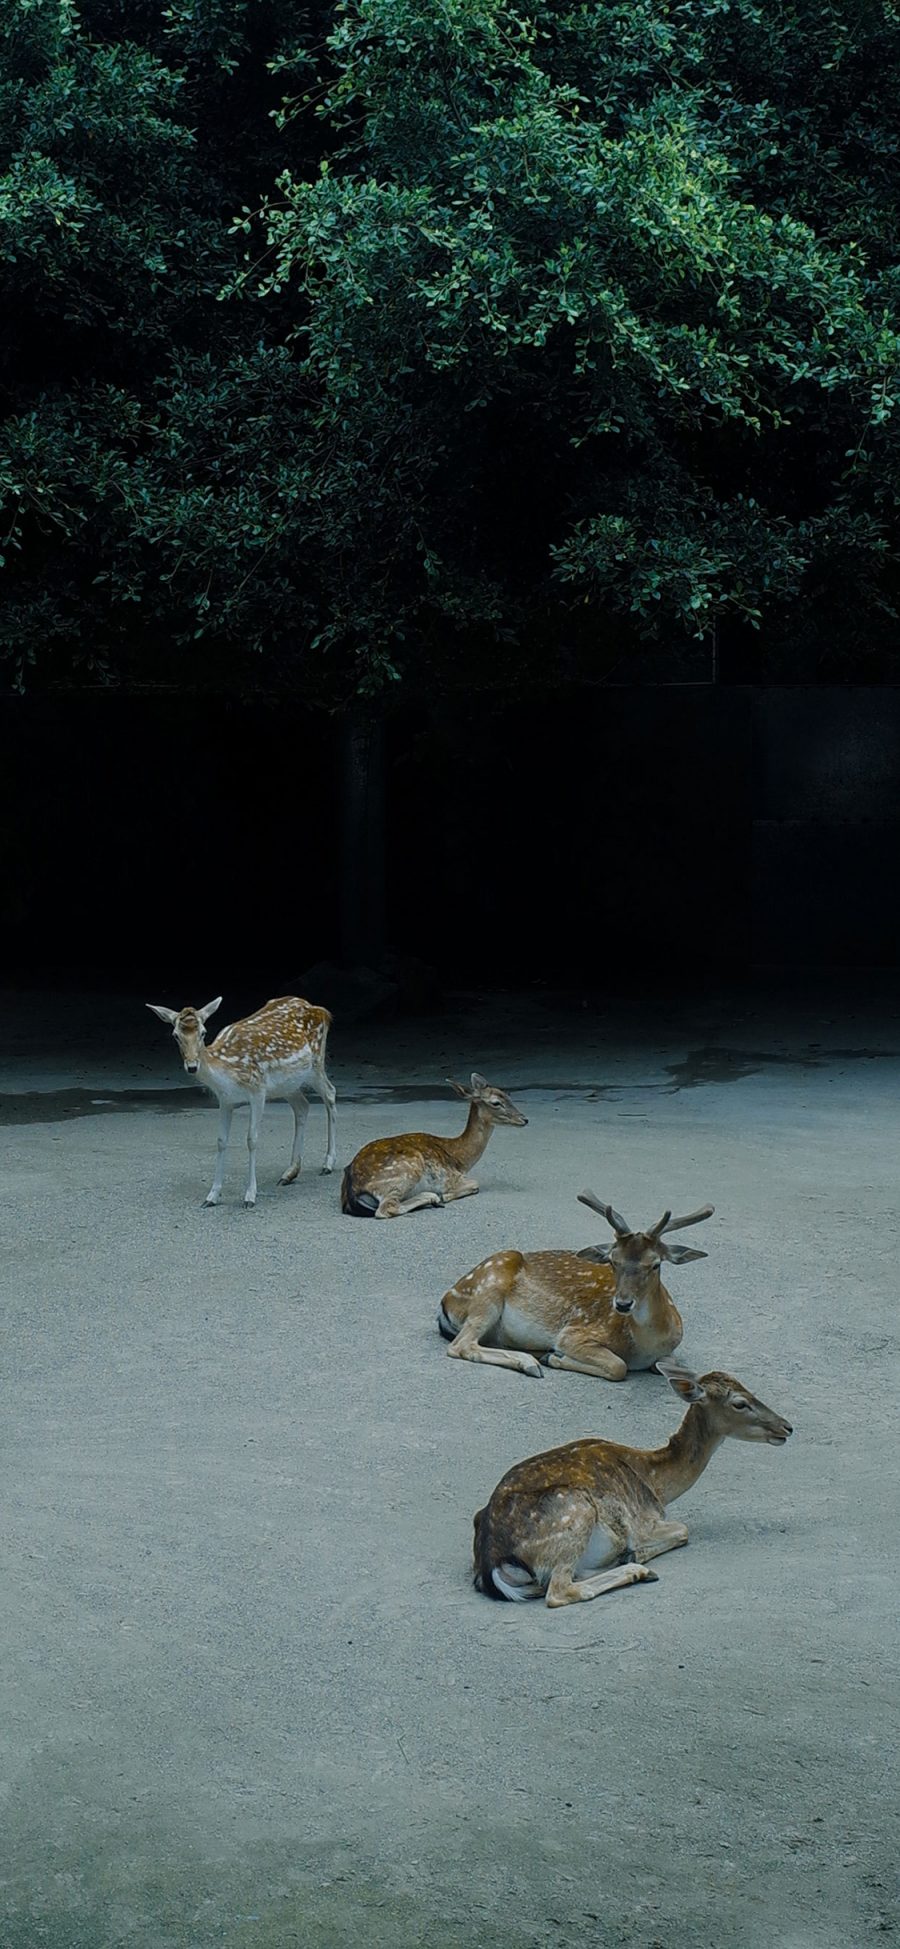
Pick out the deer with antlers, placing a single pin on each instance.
(273, 1055)
(396, 1175)
(601, 1311)
(576, 1522)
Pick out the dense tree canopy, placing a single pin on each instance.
(454, 341)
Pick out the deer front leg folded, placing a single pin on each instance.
(580, 1352)
(668, 1536)
(459, 1188)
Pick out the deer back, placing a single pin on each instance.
(286, 1033)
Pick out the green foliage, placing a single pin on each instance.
(128, 135)
(627, 241)
(420, 338)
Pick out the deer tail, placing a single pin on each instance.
(507, 1579)
(354, 1203)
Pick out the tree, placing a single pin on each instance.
(129, 135)
(554, 327)
(622, 276)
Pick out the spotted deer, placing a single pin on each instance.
(576, 1522)
(273, 1055)
(601, 1311)
(396, 1175)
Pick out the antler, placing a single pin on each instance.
(669, 1224)
(614, 1218)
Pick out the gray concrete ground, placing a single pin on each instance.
(248, 1695)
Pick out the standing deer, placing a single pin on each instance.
(395, 1175)
(601, 1311)
(272, 1055)
(557, 1522)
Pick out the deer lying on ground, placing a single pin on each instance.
(395, 1175)
(273, 1055)
(557, 1523)
(601, 1311)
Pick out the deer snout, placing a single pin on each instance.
(192, 1068)
(779, 1436)
(623, 1305)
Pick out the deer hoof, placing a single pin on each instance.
(640, 1573)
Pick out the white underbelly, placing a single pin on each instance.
(228, 1090)
(602, 1550)
(281, 1082)
(517, 1329)
(287, 1079)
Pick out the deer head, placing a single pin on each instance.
(495, 1103)
(188, 1028)
(730, 1409)
(636, 1257)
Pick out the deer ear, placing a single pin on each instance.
(680, 1254)
(165, 1014)
(460, 1088)
(479, 1082)
(210, 1009)
(687, 1384)
(599, 1253)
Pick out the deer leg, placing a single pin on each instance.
(328, 1094)
(256, 1110)
(460, 1188)
(667, 1536)
(466, 1345)
(398, 1207)
(215, 1191)
(577, 1353)
(299, 1109)
(563, 1589)
(521, 1363)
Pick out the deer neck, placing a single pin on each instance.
(209, 1068)
(653, 1304)
(654, 1324)
(471, 1142)
(672, 1470)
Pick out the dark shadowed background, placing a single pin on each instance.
(653, 831)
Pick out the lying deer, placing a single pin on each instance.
(272, 1055)
(600, 1311)
(556, 1521)
(395, 1175)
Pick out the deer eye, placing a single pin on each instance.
(740, 1404)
